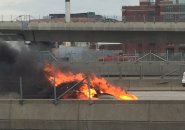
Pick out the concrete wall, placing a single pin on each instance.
(99, 115)
(148, 84)
(109, 26)
(10, 25)
(95, 26)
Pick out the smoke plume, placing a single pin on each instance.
(18, 60)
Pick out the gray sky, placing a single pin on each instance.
(44, 7)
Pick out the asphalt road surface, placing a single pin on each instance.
(160, 95)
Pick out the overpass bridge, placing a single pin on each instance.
(93, 31)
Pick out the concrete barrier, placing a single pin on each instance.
(124, 69)
(150, 83)
(94, 115)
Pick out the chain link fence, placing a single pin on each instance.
(79, 54)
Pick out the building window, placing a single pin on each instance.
(169, 17)
(168, 8)
(181, 15)
(181, 8)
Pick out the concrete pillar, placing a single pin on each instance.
(67, 13)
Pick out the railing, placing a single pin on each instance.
(175, 18)
(13, 18)
(125, 19)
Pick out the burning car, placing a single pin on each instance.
(80, 86)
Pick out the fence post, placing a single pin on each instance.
(162, 72)
(55, 90)
(141, 71)
(135, 55)
(167, 55)
(21, 90)
(103, 56)
(89, 88)
(154, 19)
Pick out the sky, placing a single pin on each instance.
(45, 7)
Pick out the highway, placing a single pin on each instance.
(160, 95)
(159, 32)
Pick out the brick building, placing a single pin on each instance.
(136, 13)
(160, 10)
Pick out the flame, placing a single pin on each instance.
(97, 85)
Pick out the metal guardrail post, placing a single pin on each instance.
(167, 55)
(150, 55)
(55, 90)
(89, 87)
(21, 90)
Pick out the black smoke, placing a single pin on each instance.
(8, 55)
(19, 61)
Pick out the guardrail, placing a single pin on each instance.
(171, 18)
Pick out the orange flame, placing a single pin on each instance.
(97, 85)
